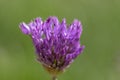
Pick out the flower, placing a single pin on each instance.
(56, 44)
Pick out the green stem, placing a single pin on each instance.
(54, 78)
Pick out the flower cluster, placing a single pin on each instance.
(56, 44)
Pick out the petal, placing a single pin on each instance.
(79, 51)
(78, 27)
(25, 28)
(75, 29)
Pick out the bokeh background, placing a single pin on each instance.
(101, 36)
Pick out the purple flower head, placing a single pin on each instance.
(56, 44)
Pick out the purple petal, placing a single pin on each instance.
(25, 28)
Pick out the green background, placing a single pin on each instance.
(101, 36)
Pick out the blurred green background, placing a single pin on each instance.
(101, 36)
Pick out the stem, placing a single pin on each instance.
(54, 78)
